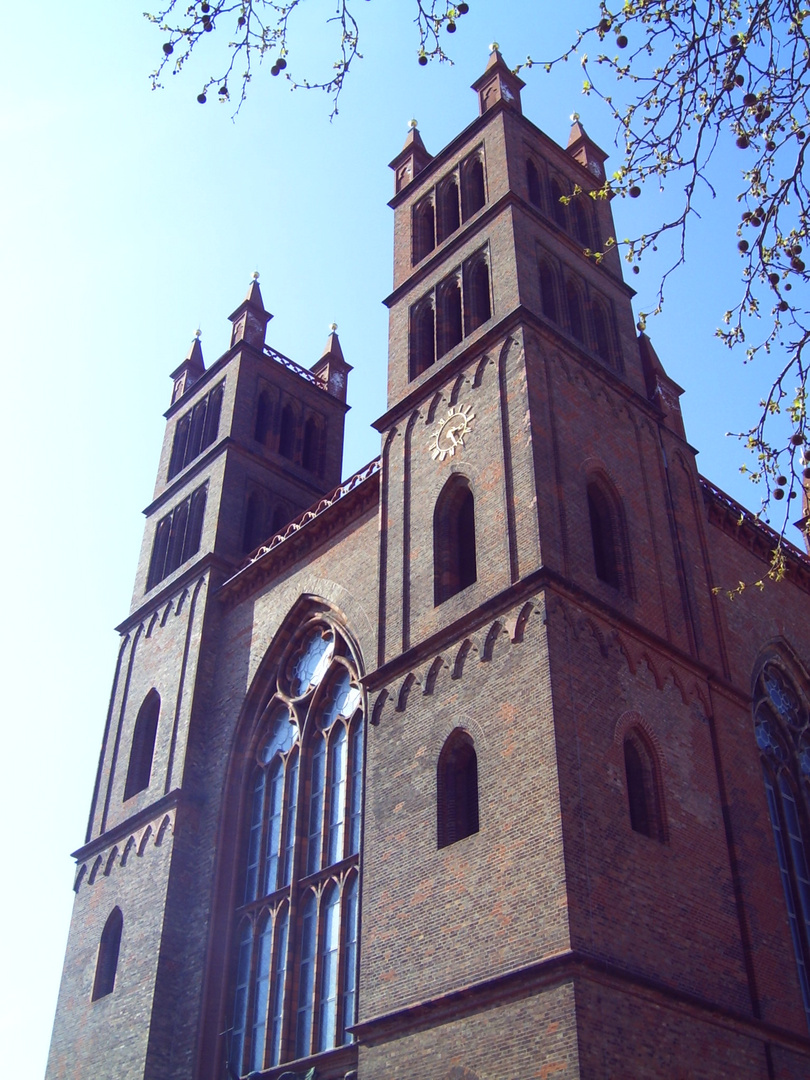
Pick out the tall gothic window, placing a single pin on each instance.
(782, 726)
(456, 790)
(643, 787)
(295, 984)
(108, 950)
(139, 770)
(604, 536)
(454, 564)
(177, 537)
(196, 430)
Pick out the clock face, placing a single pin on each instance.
(596, 169)
(450, 433)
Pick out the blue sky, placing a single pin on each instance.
(128, 219)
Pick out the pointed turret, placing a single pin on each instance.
(331, 367)
(661, 389)
(583, 149)
(189, 371)
(250, 319)
(498, 83)
(411, 159)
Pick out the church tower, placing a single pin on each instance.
(456, 769)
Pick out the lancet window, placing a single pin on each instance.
(458, 305)
(456, 197)
(782, 728)
(196, 430)
(177, 537)
(296, 928)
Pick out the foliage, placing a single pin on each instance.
(682, 79)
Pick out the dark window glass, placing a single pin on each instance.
(548, 296)
(457, 790)
(558, 206)
(196, 430)
(295, 962)
(574, 311)
(782, 729)
(142, 752)
(533, 184)
(643, 795)
(637, 793)
(603, 536)
(264, 418)
(448, 331)
(424, 237)
(582, 221)
(601, 334)
(454, 565)
(312, 446)
(422, 344)
(177, 537)
(449, 217)
(477, 308)
(108, 950)
(473, 193)
(286, 441)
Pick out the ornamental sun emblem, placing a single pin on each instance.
(451, 432)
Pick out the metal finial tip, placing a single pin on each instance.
(333, 326)
(198, 334)
(255, 275)
(574, 117)
(494, 47)
(413, 124)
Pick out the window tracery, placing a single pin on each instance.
(296, 925)
(782, 731)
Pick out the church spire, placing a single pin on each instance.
(190, 370)
(332, 367)
(250, 319)
(411, 159)
(498, 83)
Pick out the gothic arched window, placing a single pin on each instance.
(643, 787)
(448, 217)
(142, 752)
(605, 535)
(286, 438)
(449, 331)
(548, 292)
(454, 563)
(473, 190)
(422, 338)
(782, 727)
(533, 184)
(264, 418)
(601, 333)
(574, 302)
(108, 950)
(295, 958)
(456, 790)
(312, 445)
(477, 305)
(582, 222)
(424, 232)
(559, 207)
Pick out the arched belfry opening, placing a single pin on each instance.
(454, 555)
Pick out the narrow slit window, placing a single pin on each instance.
(603, 536)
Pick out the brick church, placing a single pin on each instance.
(461, 768)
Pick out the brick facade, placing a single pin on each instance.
(563, 935)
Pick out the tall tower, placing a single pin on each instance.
(249, 444)
(457, 769)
